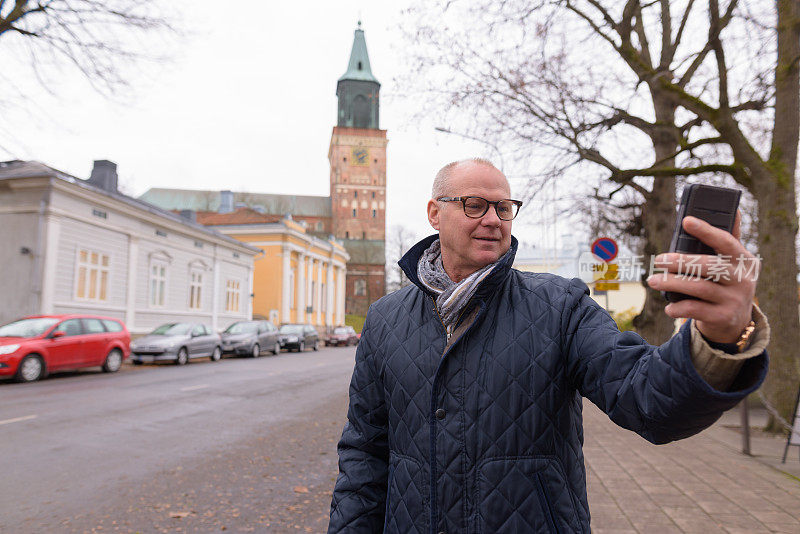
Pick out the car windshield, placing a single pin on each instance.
(292, 329)
(172, 329)
(27, 327)
(340, 330)
(242, 328)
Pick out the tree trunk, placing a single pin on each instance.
(777, 225)
(658, 220)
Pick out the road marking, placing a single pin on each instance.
(18, 419)
(193, 388)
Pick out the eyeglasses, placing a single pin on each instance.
(476, 207)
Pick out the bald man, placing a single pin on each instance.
(465, 401)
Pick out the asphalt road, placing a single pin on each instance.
(241, 445)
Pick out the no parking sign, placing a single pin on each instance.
(605, 248)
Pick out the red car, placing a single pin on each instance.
(342, 335)
(32, 347)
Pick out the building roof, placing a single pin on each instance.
(17, 169)
(208, 201)
(359, 68)
(366, 251)
(239, 216)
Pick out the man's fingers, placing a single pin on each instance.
(696, 287)
(722, 269)
(720, 240)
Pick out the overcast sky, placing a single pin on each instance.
(247, 103)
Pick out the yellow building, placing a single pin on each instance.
(298, 278)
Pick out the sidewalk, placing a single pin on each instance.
(699, 485)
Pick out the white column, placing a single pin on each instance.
(249, 296)
(130, 299)
(51, 260)
(215, 301)
(300, 305)
(286, 287)
(340, 291)
(318, 292)
(329, 305)
(309, 285)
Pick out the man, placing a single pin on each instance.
(465, 401)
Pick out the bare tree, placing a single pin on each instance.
(98, 38)
(400, 239)
(632, 97)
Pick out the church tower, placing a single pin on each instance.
(357, 156)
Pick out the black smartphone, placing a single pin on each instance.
(715, 205)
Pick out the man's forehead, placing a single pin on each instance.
(475, 174)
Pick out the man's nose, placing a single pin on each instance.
(490, 218)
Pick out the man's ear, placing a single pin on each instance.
(433, 214)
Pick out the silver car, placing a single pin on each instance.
(250, 338)
(178, 342)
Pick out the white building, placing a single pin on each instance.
(79, 246)
(565, 261)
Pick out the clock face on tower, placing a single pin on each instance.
(359, 156)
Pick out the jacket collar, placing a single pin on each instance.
(408, 263)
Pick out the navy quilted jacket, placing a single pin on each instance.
(486, 436)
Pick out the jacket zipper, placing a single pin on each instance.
(448, 332)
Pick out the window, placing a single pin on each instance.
(360, 287)
(373, 194)
(354, 213)
(374, 213)
(319, 226)
(355, 194)
(112, 326)
(198, 330)
(92, 274)
(347, 234)
(99, 213)
(232, 295)
(195, 290)
(93, 326)
(70, 327)
(158, 283)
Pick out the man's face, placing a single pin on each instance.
(470, 244)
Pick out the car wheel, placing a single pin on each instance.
(256, 351)
(183, 357)
(276, 349)
(30, 369)
(316, 345)
(113, 361)
(216, 355)
(302, 347)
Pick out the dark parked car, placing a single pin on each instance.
(32, 347)
(342, 336)
(178, 342)
(250, 338)
(298, 337)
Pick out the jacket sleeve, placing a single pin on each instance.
(652, 390)
(359, 495)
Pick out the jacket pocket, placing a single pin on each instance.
(406, 500)
(523, 494)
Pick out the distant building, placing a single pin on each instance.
(354, 212)
(299, 278)
(79, 246)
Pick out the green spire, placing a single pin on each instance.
(358, 68)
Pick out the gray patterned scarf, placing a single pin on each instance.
(451, 297)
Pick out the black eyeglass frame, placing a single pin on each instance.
(494, 203)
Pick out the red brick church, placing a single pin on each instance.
(355, 211)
